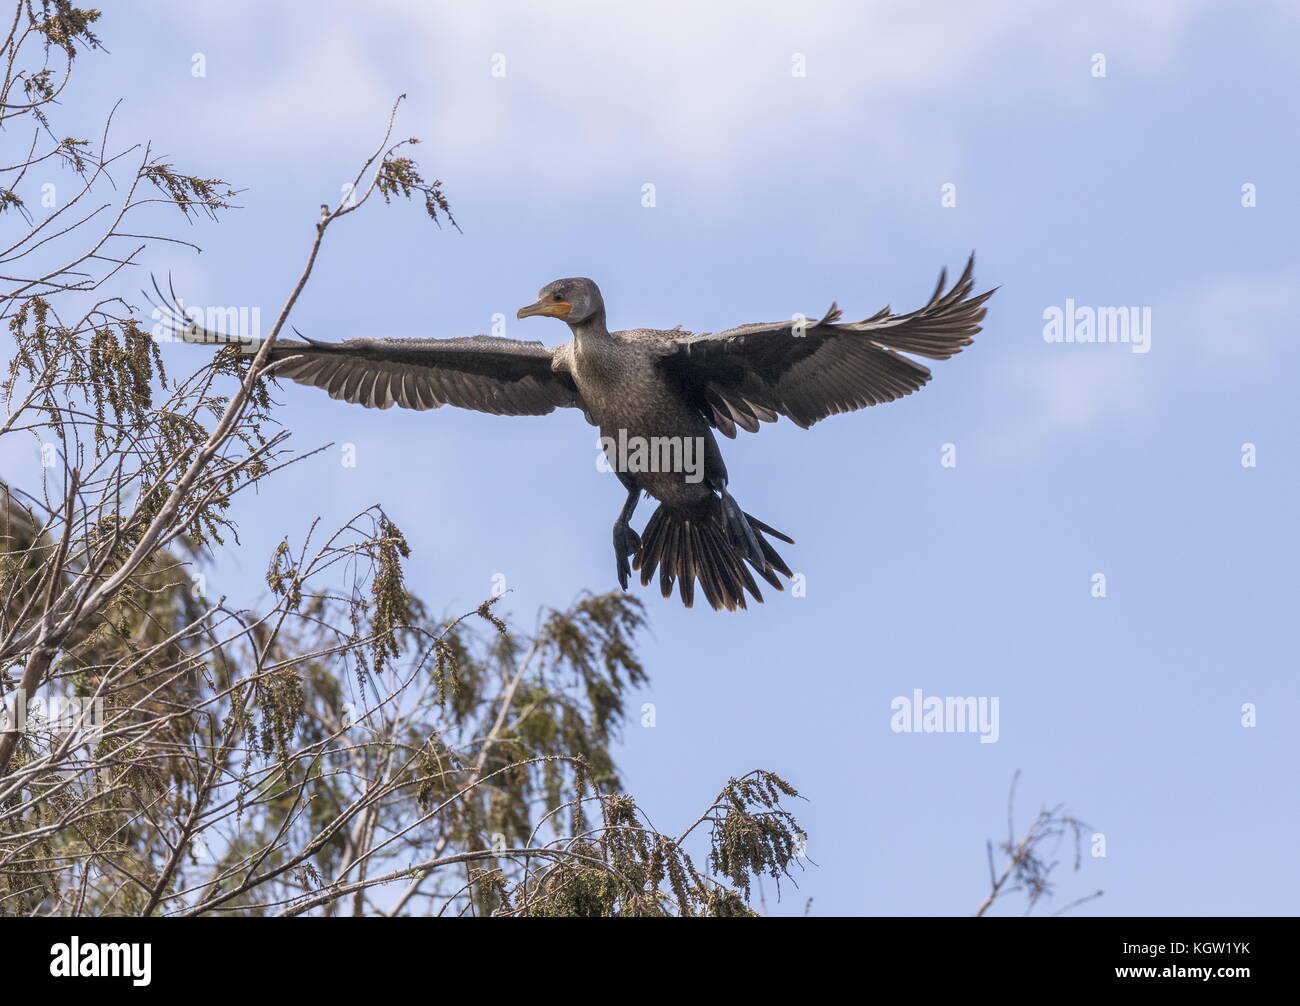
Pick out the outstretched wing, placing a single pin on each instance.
(502, 376)
(810, 370)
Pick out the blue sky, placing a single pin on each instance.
(777, 194)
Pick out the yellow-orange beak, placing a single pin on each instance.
(547, 308)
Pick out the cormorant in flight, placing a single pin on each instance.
(664, 393)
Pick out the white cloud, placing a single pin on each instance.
(1236, 324)
(593, 87)
(1231, 329)
(1061, 392)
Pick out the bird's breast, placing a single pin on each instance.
(624, 389)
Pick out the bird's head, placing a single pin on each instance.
(574, 300)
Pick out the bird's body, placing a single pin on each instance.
(657, 396)
(619, 378)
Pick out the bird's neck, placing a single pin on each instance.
(591, 330)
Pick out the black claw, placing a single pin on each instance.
(627, 543)
(741, 534)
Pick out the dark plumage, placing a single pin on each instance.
(646, 386)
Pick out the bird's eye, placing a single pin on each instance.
(556, 296)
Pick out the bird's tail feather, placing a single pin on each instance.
(686, 547)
